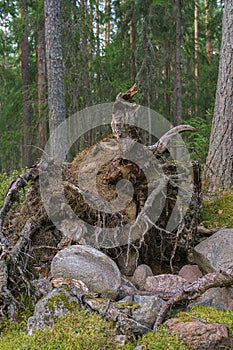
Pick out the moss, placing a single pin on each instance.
(61, 300)
(158, 340)
(208, 314)
(218, 209)
(81, 330)
(127, 304)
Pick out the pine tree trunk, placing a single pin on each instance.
(132, 42)
(207, 30)
(219, 166)
(55, 75)
(177, 112)
(196, 68)
(27, 110)
(41, 87)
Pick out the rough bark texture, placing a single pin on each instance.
(177, 113)
(220, 158)
(27, 111)
(132, 42)
(41, 83)
(207, 31)
(196, 44)
(54, 62)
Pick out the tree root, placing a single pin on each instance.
(195, 290)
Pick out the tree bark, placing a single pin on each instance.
(207, 31)
(177, 113)
(107, 10)
(219, 164)
(196, 68)
(55, 75)
(41, 87)
(27, 110)
(132, 42)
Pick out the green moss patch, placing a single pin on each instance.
(209, 315)
(218, 210)
(81, 330)
(159, 340)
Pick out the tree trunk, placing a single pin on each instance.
(107, 10)
(27, 110)
(177, 113)
(55, 75)
(196, 53)
(41, 86)
(219, 165)
(132, 42)
(167, 75)
(207, 31)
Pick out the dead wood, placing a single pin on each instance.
(162, 145)
(13, 194)
(195, 290)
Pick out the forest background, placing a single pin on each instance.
(170, 48)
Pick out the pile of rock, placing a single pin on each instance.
(84, 275)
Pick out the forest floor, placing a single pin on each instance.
(85, 330)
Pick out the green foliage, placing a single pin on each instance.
(5, 181)
(198, 141)
(218, 209)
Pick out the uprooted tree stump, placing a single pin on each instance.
(138, 203)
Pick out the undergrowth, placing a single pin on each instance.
(5, 181)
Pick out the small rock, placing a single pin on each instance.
(140, 275)
(94, 268)
(42, 287)
(147, 310)
(190, 273)
(169, 284)
(219, 298)
(215, 253)
(127, 261)
(200, 335)
(121, 339)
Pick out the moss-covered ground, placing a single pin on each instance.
(218, 209)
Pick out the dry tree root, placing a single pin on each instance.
(10, 253)
(195, 290)
(13, 193)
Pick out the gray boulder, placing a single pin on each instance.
(55, 304)
(94, 268)
(140, 275)
(216, 252)
(219, 298)
(147, 309)
(141, 311)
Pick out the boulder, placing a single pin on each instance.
(140, 275)
(219, 298)
(94, 268)
(55, 304)
(200, 335)
(168, 284)
(190, 273)
(215, 253)
(146, 309)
